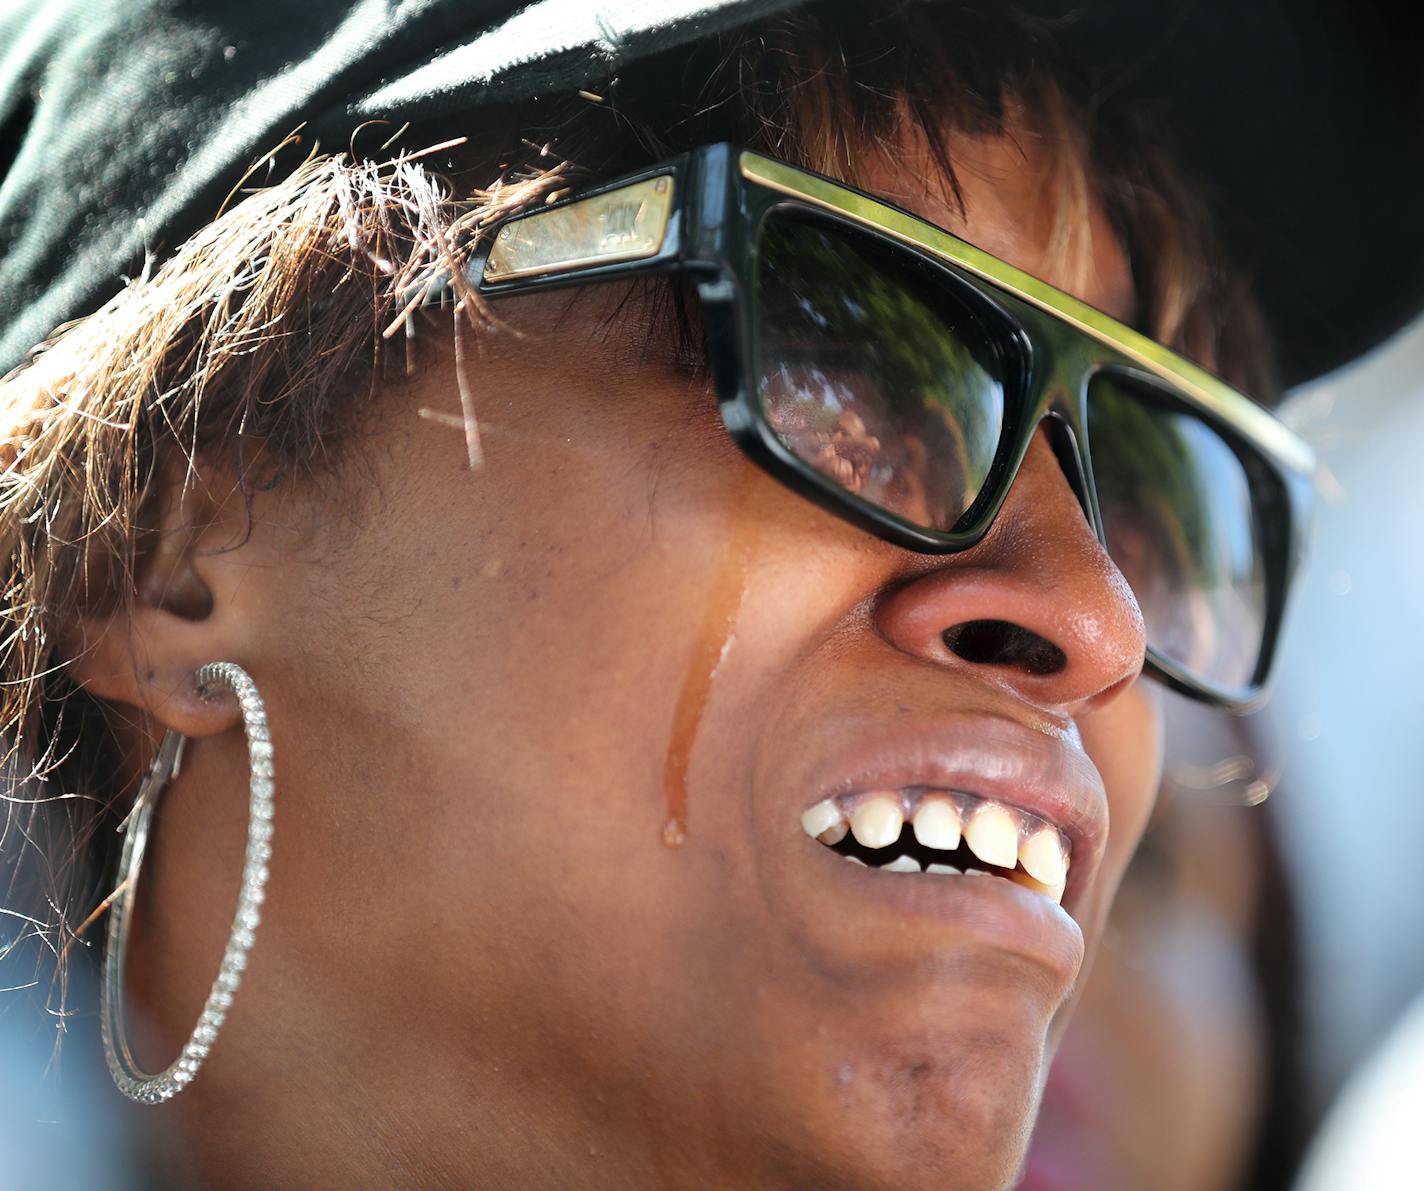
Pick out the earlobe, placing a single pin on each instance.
(142, 648)
(142, 659)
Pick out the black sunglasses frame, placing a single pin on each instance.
(702, 213)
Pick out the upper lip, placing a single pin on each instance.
(986, 755)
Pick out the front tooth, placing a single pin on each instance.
(937, 824)
(877, 821)
(1043, 859)
(902, 864)
(993, 836)
(944, 870)
(823, 817)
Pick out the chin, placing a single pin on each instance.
(935, 1087)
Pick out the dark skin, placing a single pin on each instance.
(480, 964)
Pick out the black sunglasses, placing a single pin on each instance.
(896, 375)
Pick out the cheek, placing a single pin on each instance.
(523, 647)
(1125, 741)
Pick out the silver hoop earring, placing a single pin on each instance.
(131, 1079)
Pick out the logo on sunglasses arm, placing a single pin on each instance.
(622, 224)
(619, 226)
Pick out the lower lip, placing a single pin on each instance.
(989, 910)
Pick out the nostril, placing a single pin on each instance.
(1001, 643)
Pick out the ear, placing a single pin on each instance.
(142, 649)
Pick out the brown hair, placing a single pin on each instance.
(272, 327)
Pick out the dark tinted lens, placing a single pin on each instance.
(1181, 524)
(876, 370)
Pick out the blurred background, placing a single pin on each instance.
(1351, 806)
(1352, 791)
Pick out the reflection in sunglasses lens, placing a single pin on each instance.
(876, 371)
(1179, 520)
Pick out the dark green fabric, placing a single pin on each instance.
(125, 123)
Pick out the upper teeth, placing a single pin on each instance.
(993, 835)
(1043, 857)
(824, 820)
(876, 822)
(1033, 852)
(937, 824)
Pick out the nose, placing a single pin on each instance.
(1037, 605)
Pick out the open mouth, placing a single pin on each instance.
(942, 834)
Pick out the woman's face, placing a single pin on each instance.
(541, 903)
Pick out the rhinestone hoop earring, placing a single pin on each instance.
(130, 1078)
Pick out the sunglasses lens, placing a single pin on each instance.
(1181, 523)
(878, 371)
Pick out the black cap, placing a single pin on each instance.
(124, 124)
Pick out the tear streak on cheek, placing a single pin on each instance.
(715, 639)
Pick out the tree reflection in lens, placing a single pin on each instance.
(878, 377)
(1180, 522)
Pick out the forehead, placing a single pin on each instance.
(1020, 203)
